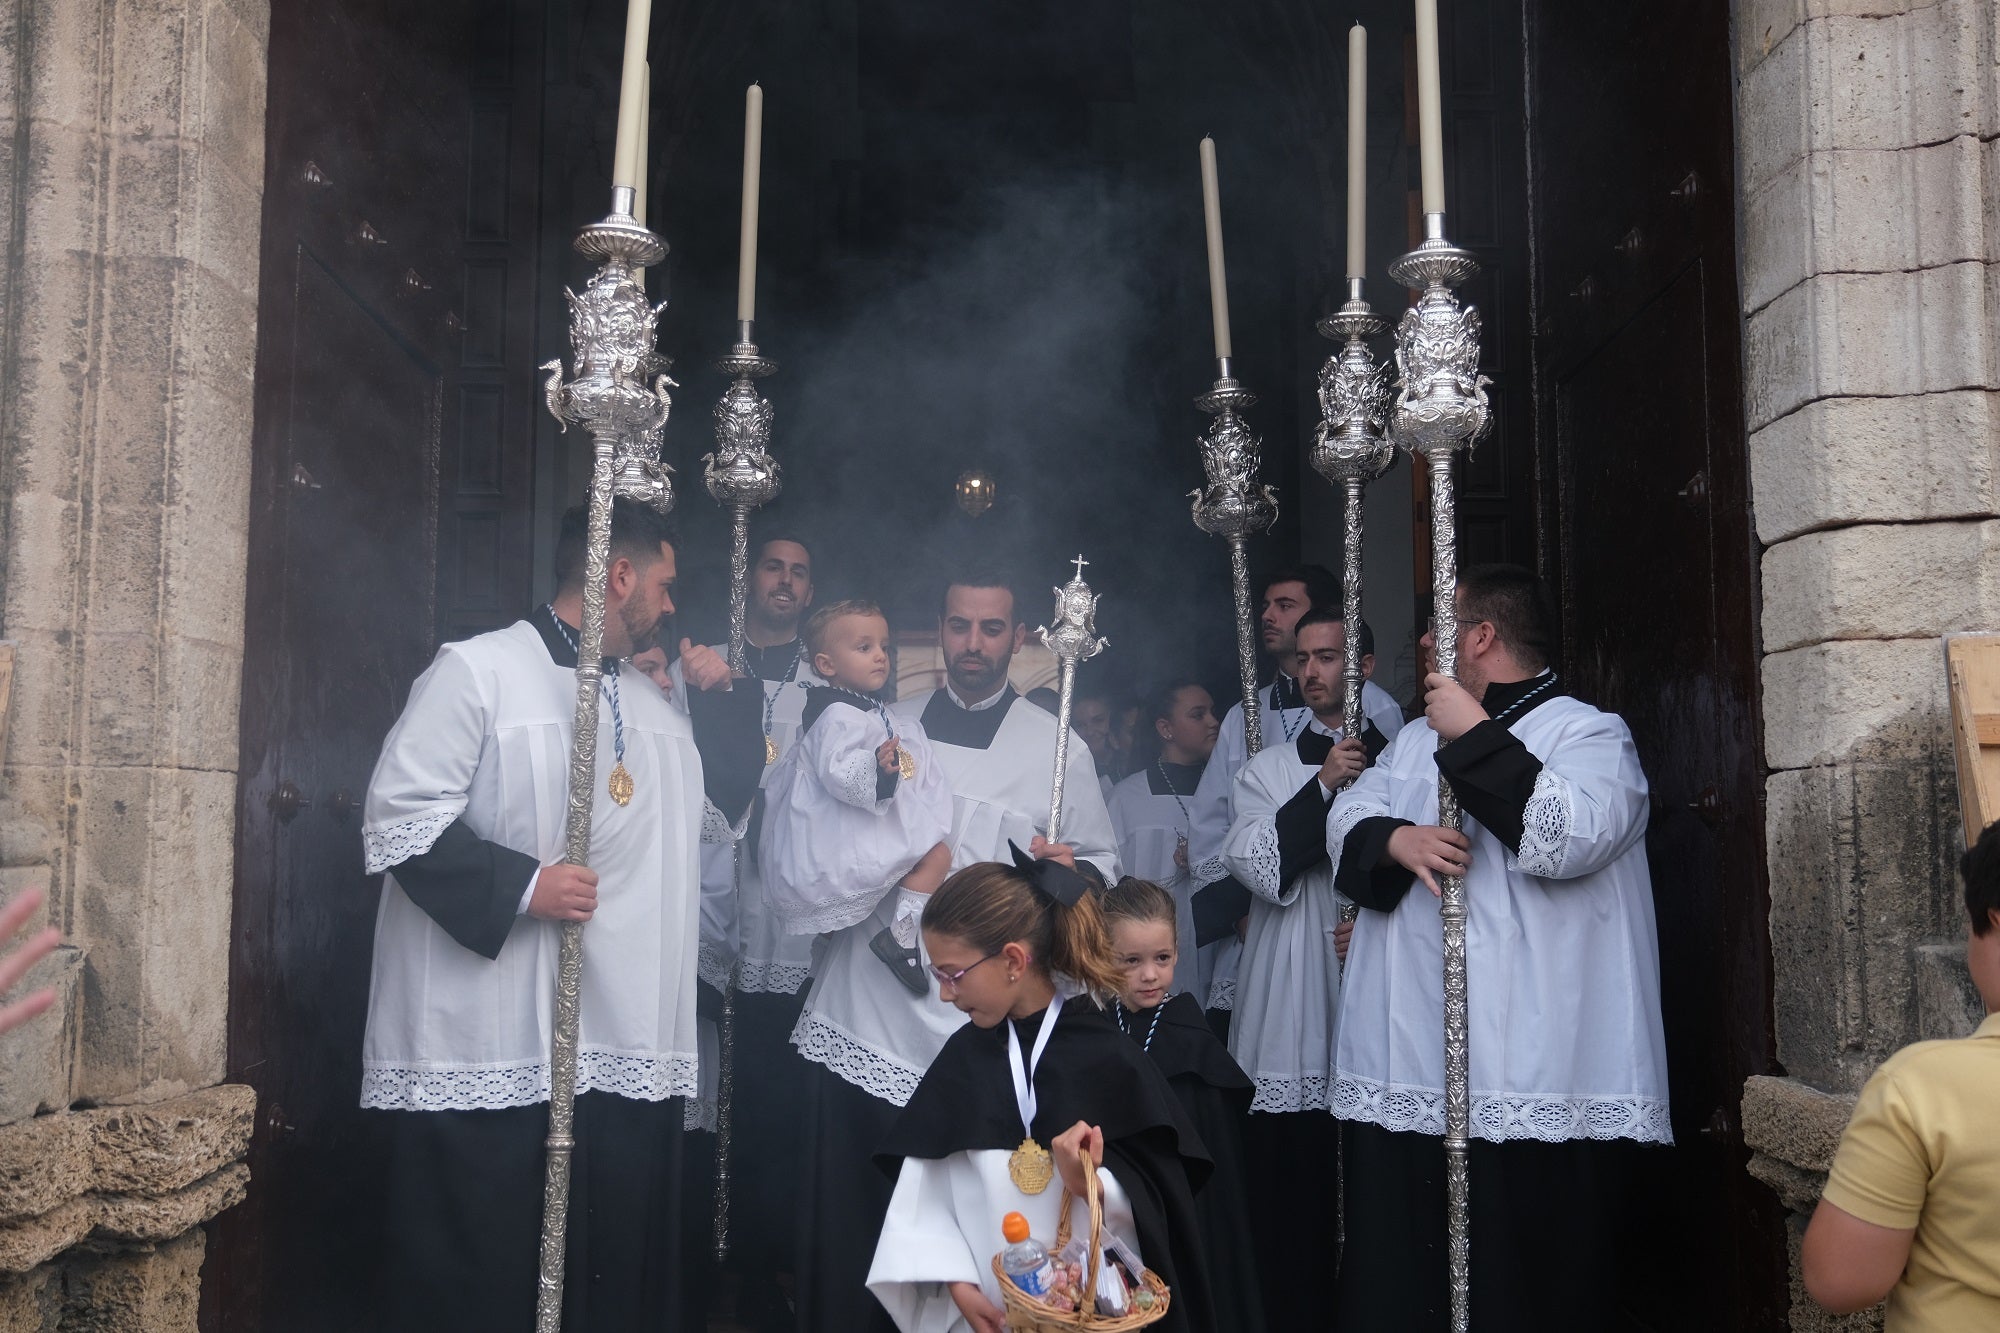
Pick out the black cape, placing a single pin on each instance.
(1215, 1093)
(1088, 1072)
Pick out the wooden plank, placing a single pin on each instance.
(6, 693)
(1972, 664)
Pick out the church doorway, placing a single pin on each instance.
(983, 249)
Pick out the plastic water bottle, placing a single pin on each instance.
(1025, 1260)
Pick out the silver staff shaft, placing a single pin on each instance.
(618, 392)
(1442, 407)
(1350, 602)
(742, 476)
(1064, 696)
(1246, 643)
(576, 844)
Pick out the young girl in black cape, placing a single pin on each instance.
(1039, 1084)
(1215, 1093)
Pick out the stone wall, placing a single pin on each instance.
(1869, 175)
(131, 183)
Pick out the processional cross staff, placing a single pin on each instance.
(1072, 637)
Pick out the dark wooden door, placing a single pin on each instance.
(372, 183)
(1645, 465)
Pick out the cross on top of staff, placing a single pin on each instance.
(1079, 562)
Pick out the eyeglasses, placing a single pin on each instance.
(951, 978)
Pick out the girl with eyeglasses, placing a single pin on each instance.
(1038, 1088)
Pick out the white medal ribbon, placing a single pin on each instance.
(1024, 1076)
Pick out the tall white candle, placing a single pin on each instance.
(645, 142)
(1357, 151)
(753, 169)
(1430, 116)
(625, 151)
(1218, 278)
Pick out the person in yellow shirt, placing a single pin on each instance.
(1911, 1209)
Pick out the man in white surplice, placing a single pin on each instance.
(466, 813)
(1568, 1057)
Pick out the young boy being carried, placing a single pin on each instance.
(858, 805)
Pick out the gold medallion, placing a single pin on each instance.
(770, 752)
(620, 785)
(1031, 1168)
(906, 763)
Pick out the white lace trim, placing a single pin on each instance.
(1503, 1116)
(856, 781)
(699, 1113)
(645, 1078)
(1307, 1092)
(392, 844)
(772, 977)
(1222, 993)
(1346, 814)
(715, 827)
(865, 1067)
(825, 918)
(1266, 864)
(711, 965)
(1207, 872)
(1545, 824)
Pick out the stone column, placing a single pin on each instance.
(1870, 195)
(131, 186)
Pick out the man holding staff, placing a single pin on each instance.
(466, 813)
(1568, 1057)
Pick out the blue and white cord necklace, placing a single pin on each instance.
(621, 785)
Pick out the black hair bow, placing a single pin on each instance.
(1051, 879)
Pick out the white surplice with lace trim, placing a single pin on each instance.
(1562, 951)
(859, 1021)
(485, 738)
(1288, 978)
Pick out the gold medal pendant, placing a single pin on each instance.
(1031, 1168)
(906, 763)
(620, 785)
(770, 752)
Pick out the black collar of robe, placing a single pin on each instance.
(1502, 695)
(1285, 693)
(777, 662)
(1184, 777)
(560, 652)
(1315, 746)
(1184, 1045)
(971, 729)
(822, 697)
(1089, 1071)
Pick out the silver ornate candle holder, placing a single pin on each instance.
(617, 392)
(1440, 408)
(1072, 638)
(741, 474)
(1351, 448)
(1234, 506)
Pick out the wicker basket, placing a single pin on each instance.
(1025, 1314)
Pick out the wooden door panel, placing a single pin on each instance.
(1645, 466)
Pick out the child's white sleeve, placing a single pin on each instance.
(843, 756)
(922, 1249)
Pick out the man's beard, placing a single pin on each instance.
(642, 635)
(982, 678)
(776, 620)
